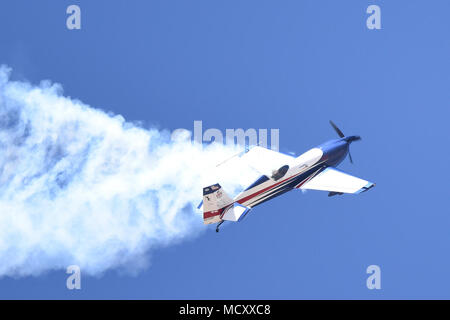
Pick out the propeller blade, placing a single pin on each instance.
(339, 132)
(350, 157)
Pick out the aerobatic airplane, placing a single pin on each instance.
(314, 170)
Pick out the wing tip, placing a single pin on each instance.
(367, 187)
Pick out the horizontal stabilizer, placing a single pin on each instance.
(236, 212)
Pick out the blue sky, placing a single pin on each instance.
(291, 65)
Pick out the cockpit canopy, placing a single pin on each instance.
(278, 174)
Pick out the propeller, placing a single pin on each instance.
(338, 131)
(350, 156)
(349, 139)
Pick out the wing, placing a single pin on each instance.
(337, 182)
(265, 160)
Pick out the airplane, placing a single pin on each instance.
(313, 170)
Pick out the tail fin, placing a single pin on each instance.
(215, 201)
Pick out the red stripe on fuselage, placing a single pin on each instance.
(212, 213)
(265, 189)
(262, 199)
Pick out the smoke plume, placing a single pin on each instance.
(81, 186)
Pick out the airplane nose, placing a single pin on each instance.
(335, 152)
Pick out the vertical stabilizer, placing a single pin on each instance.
(215, 201)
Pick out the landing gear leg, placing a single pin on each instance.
(217, 228)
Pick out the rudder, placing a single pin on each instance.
(215, 201)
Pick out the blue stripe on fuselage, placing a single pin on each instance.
(286, 186)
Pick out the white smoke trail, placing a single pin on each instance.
(80, 186)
